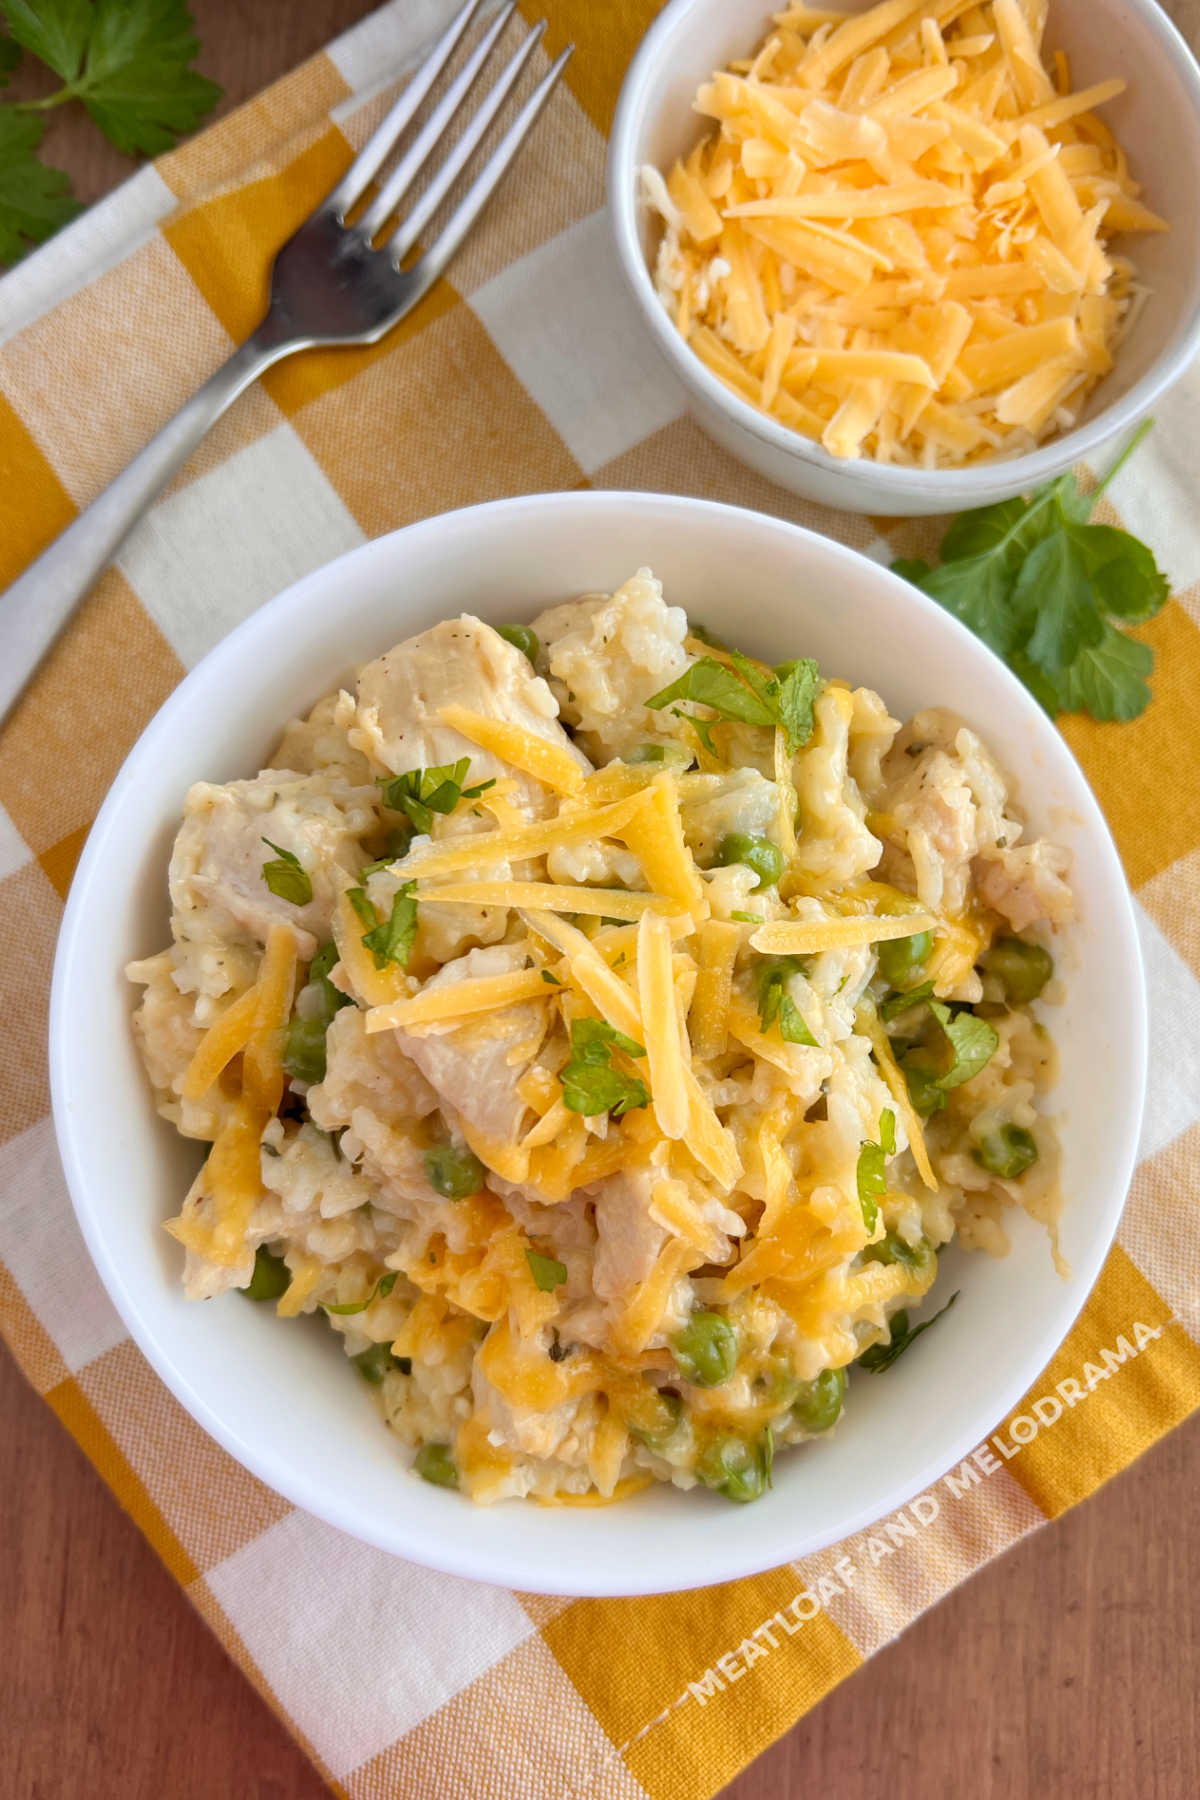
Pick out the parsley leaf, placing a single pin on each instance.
(1041, 585)
(881, 1356)
(34, 199)
(127, 60)
(380, 1291)
(392, 940)
(285, 877)
(747, 693)
(714, 684)
(591, 1083)
(900, 1003)
(420, 793)
(775, 1003)
(798, 686)
(972, 1040)
(872, 1167)
(548, 1273)
(10, 56)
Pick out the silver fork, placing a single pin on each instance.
(329, 285)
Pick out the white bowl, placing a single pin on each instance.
(1157, 120)
(280, 1396)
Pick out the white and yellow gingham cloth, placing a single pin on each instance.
(527, 370)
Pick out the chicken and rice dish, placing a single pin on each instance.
(604, 1033)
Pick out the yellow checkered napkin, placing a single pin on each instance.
(528, 371)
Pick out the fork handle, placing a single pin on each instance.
(39, 602)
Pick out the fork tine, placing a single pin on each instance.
(427, 270)
(413, 160)
(402, 241)
(365, 165)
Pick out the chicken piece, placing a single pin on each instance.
(218, 890)
(362, 1071)
(606, 656)
(1026, 883)
(474, 1067)
(953, 819)
(465, 663)
(627, 1239)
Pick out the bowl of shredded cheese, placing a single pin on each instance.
(589, 1008)
(919, 255)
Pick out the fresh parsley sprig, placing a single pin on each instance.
(127, 61)
(1048, 591)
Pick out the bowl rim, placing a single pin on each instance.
(957, 488)
(458, 1553)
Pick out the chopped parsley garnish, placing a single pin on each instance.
(881, 1356)
(548, 1273)
(380, 1291)
(551, 978)
(744, 918)
(285, 877)
(872, 1168)
(591, 1083)
(972, 1040)
(899, 1003)
(1048, 591)
(776, 1004)
(419, 793)
(392, 939)
(747, 693)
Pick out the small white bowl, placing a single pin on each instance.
(1157, 120)
(280, 1396)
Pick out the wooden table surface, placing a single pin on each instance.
(1066, 1669)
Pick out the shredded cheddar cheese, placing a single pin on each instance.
(892, 240)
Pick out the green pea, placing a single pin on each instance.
(900, 958)
(304, 1049)
(304, 1045)
(271, 1276)
(521, 638)
(377, 1360)
(706, 1349)
(1022, 969)
(452, 1172)
(654, 1418)
(758, 853)
(920, 1257)
(739, 1470)
(923, 1090)
(433, 1462)
(819, 1401)
(1008, 1151)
